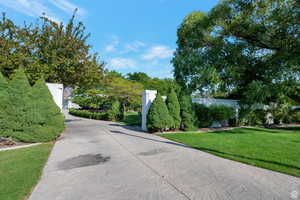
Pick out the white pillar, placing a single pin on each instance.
(148, 97)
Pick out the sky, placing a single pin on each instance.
(128, 35)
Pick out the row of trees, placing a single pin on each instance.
(175, 114)
(28, 114)
(241, 49)
(172, 114)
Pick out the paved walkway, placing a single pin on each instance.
(98, 160)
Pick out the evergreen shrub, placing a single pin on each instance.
(28, 114)
(188, 116)
(158, 118)
(174, 108)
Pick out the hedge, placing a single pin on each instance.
(88, 114)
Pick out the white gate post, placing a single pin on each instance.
(148, 97)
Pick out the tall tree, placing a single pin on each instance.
(57, 52)
(174, 108)
(188, 116)
(126, 91)
(246, 49)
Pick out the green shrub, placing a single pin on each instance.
(158, 118)
(221, 113)
(188, 116)
(251, 117)
(31, 113)
(174, 108)
(4, 103)
(114, 113)
(20, 108)
(48, 119)
(88, 114)
(204, 116)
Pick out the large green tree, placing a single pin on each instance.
(244, 49)
(163, 86)
(57, 52)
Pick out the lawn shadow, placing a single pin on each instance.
(132, 128)
(72, 120)
(154, 140)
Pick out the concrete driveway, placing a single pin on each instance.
(97, 160)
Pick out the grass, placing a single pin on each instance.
(20, 170)
(131, 119)
(273, 149)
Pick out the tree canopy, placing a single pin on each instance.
(247, 50)
(57, 52)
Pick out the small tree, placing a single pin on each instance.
(114, 113)
(48, 120)
(188, 117)
(158, 118)
(174, 108)
(20, 106)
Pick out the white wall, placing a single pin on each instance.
(57, 93)
(211, 101)
(148, 97)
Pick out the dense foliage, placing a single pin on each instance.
(163, 86)
(247, 50)
(4, 102)
(188, 116)
(204, 116)
(89, 114)
(158, 118)
(31, 114)
(174, 108)
(57, 52)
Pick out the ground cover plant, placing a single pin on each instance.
(20, 170)
(274, 149)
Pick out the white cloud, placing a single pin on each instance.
(133, 47)
(112, 47)
(121, 63)
(36, 8)
(67, 6)
(159, 51)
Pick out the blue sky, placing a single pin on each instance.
(129, 35)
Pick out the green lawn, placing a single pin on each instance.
(131, 119)
(20, 170)
(274, 149)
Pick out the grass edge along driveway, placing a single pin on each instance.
(21, 169)
(273, 149)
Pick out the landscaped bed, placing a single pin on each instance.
(20, 170)
(274, 149)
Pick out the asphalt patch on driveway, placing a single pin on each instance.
(83, 161)
(153, 152)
